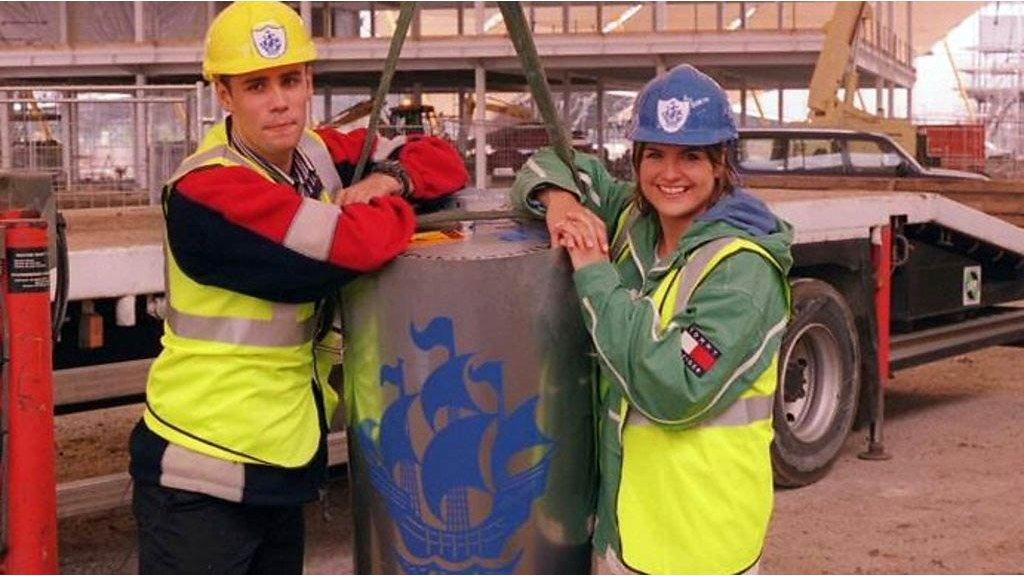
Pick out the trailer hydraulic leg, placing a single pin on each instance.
(881, 257)
(27, 476)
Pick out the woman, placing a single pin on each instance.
(686, 301)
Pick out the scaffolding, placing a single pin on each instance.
(597, 54)
(103, 145)
(996, 85)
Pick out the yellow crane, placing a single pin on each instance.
(405, 118)
(498, 106)
(835, 69)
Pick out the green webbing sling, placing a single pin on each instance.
(522, 41)
(405, 15)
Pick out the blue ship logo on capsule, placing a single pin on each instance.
(522, 234)
(463, 484)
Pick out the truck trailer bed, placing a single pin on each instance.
(117, 252)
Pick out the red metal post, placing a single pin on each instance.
(881, 258)
(883, 299)
(29, 475)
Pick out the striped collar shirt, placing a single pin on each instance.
(303, 176)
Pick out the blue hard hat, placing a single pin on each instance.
(683, 106)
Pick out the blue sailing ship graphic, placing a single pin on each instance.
(457, 498)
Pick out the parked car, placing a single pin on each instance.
(510, 147)
(818, 151)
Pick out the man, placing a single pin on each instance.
(261, 227)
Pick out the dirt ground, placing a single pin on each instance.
(947, 502)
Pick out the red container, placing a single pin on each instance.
(956, 146)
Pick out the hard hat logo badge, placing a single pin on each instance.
(270, 40)
(672, 113)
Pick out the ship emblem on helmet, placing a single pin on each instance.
(270, 40)
(672, 112)
(457, 464)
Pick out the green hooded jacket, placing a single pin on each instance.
(737, 307)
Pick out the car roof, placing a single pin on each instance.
(786, 131)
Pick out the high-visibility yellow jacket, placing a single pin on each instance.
(248, 258)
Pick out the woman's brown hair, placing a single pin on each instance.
(720, 158)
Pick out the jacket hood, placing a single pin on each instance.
(744, 215)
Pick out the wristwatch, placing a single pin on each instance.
(395, 169)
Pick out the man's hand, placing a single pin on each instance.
(570, 224)
(372, 186)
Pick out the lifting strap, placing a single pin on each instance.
(521, 37)
(405, 14)
(522, 40)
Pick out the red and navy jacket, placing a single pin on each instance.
(226, 225)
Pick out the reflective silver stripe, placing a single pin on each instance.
(614, 416)
(742, 412)
(198, 160)
(195, 161)
(281, 330)
(586, 179)
(311, 232)
(609, 563)
(320, 158)
(235, 156)
(187, 470)
(532, 165)
(621, 239)
(693, 271)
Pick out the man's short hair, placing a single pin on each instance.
(225, 79)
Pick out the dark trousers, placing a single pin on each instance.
(183, 532)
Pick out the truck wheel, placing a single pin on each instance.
(819, 381)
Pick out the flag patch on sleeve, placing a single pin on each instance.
(699, 354)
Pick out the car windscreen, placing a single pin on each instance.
(768, 153)
(761, 154)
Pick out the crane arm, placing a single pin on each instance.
(834, 58)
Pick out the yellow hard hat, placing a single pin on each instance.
(250, 36)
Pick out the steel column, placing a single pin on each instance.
(782, 105)
(480, 77)
(66, 155)
(62, 22)
(139, 121)
(566, 95)
(140, 22)
(660, 16)
(600, 119)
(890, 108)
(306, 13)
(743, 105)
(5, 134)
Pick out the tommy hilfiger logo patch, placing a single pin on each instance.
(699, 354)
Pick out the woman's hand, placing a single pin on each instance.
(571, 234)
(570, 224)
